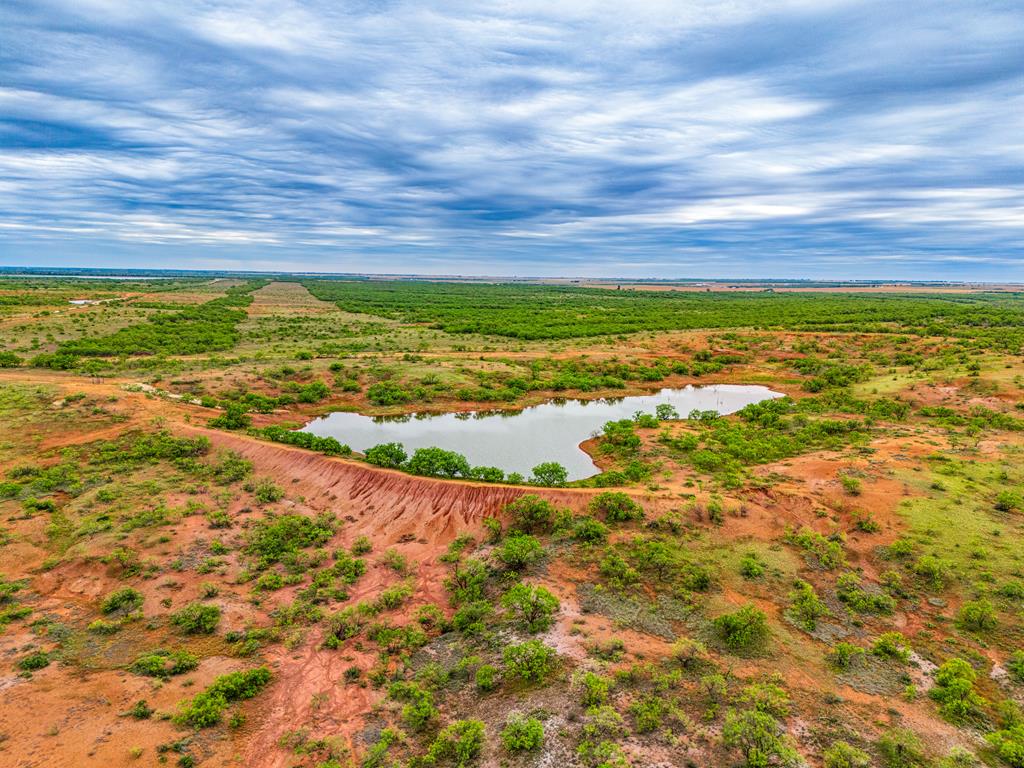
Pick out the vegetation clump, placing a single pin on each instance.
(197, 619)
(164, 664)
(745, 629)
(206, 708)
(522, 734)
(531, 661)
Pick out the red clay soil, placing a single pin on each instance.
(418, 517)
(386, 502)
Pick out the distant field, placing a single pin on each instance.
(549, 312)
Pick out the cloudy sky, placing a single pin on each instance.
(758, 138)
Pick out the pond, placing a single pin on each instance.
(517, 441)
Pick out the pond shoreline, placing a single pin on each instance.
(517, 440)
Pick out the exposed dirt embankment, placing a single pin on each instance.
(385, 503)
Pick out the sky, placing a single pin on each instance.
(693, 138)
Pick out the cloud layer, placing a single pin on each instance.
(666, 139)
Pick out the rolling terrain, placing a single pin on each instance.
(834, 578)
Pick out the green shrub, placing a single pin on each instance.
(850, 592)
(589, 531)
(278, 537)
(845, 655)
(233, 417)
(743, 629)
(140, 710)
(164, 664)
(390, 455)
(387, 393)
(313, 392)
(459, 744)
(1008, 501)
(766, 697)
(361, 546)
(393, 596)
(751, 566)
(805, 606)
(34, 661)
(420, 712)
(933, 569)
(470, 617)
(531, 514)
(467, 581)
(827, 551)
(489, 474)
(892, 645)
(205, 708)
(851, 484)
(326, 445)
(530, 661)
(615, 507)
(759, 738)
(901, 748)
(104, 627)
(267, 491)
(486, 678)
(617, 571)
(519, 550)
(197, 619)
(522, 733)
(533, 606)
(689, 653)
(595, 690)
(954, 691)
(1015, 666)
(1008, 743)
(269, 581)
(602, 754)
(648, 712)
(844, 755)
(437, 462)
(122, 601)
(977, 616)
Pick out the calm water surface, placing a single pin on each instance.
(517, 441)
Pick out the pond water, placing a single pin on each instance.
(517, 441)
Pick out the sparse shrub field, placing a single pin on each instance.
(710, 598)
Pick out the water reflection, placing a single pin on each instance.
(520, 439)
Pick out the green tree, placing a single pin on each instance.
(954, 691)
(977, 616)
(533, 605)
(549, 473)
(437, 462)
(758, 736)
(391, 455)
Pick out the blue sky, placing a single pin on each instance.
(735, 138)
